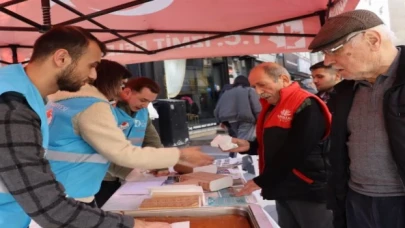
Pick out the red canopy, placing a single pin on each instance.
(150, 30)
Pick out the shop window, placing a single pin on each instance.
(200, 89)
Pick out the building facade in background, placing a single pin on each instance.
(396, 9)
(391, 12)
(200, 81)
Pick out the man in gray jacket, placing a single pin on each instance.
(238, 109)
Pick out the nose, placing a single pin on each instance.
(93, 74)
(329, 60)
(258, 91)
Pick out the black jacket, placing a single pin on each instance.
(394, 116)
(298, 148)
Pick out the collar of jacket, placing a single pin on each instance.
(125, 106)
(400, 74)
(85, 91)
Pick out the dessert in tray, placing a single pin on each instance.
(219, 221)
(241, 216)
(170, 202)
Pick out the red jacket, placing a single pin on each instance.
(279, 122)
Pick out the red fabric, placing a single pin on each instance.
(178, 15)
(282, 114)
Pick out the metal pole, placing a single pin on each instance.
(10, 3)
(46, 14)
(104, 12)
(73, 10)
(21, 18)
(329, 6)
(14, 53)
(322, 17)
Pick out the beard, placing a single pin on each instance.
(69, 80)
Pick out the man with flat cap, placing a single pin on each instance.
(367, 153)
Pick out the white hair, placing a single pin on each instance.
(385, 32)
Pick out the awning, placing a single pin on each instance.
(150, 30)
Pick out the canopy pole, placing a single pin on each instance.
(4, 62)
(46, 15)
(20, 17)
(104, 12)
(322, 17)
(69, 8)
(9, 3)
(331, 3)
(14, 53)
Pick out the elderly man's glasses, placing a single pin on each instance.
(333, 50)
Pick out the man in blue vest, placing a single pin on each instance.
(64, 58)
(133, 119)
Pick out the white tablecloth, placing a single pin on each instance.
(119, 202)
(131, 202)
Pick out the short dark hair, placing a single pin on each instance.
(137, 84)
(241, 81)
(72, 38)
(109, 77)
(321, 65)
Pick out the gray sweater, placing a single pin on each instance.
(239, 104)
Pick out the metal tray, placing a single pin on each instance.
(253, 212)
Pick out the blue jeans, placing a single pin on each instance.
(374, 212)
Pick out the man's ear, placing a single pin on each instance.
(126, 94)
(285, 80)
(61, 58)
(373, 38)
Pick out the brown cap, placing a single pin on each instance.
(338, 27)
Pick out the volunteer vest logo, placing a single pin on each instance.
(124, 125)
(285, 115)
(49, 115)
(139, 123)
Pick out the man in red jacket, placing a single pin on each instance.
(292, 163)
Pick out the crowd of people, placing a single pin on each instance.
(331, 159)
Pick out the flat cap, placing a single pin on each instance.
(338, 27)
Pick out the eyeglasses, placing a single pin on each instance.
(333, 50)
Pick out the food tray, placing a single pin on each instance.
(254, 213)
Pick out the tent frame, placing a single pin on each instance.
(45, 5)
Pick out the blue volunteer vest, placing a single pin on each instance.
(14, 79)
(77, 166)
(133, 127)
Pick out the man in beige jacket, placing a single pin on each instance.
(95, 127)
(136, 95)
